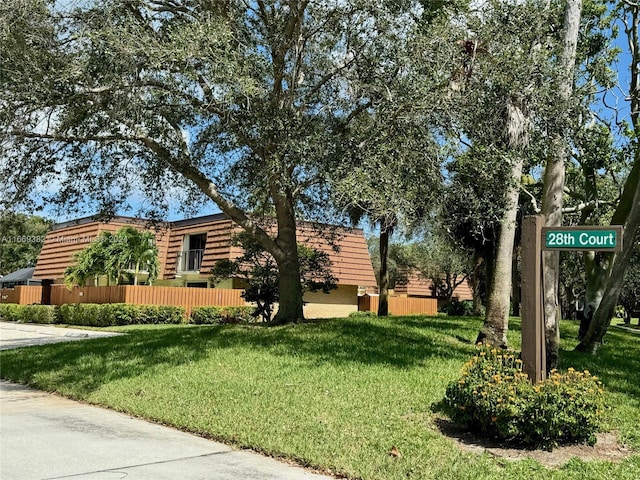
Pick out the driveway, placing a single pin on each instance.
(15, 335)
(44, 436)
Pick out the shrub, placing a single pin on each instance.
(85, 314)
(118, 313)
(460, 308)
(10, 312)
(221, 315)
(160, 314)
(66, 313)
(45, 314)
(495, 397)
(110, 314)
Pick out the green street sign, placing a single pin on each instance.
(583, 238)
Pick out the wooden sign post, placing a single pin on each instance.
(536, 238)
(534, 356)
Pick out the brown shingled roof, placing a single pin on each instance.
(349, 254)
(417, 286)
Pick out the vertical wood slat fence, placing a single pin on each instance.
(401, 305)
(186, 297)
(23, 294)
(136, 295)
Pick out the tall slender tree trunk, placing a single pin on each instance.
(496, 322)
(476, 281)
(602, 317)
(515, 285)
(553, 187)
(596, 267)
(383, 304)
(603, 291)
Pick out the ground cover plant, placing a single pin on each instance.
(338, 395)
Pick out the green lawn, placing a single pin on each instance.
(336, 395)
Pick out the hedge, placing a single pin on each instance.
(110, 314)
(10, 312)
(28, 313)
(221, 315)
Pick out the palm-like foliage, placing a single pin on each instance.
(90, 262)
(113, 255)
(140, 252)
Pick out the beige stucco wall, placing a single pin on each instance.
(339, 303)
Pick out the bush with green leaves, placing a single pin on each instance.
(160, 314)
(45, 314)
(495, 397)
(10, 312)
(110, 314)
(459, 308)
(221, 315)
(85, 314)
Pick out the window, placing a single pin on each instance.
(190, 259)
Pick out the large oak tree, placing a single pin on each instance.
(238, 101)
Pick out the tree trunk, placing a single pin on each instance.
(602, 317)
(496, 323)
(290, 288)
(609, 271)
(475, 285)
(449, 300)
(383, 304)
(136, 273)
(515, 285)
(597, 267)
(553, 187)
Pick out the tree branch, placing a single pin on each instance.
(182, 166)
(593, 204)
(534, 202)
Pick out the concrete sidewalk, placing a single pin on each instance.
(44, 436)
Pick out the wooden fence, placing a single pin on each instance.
(186, 297)
(401, 305)
(23, 295)
(136, 295)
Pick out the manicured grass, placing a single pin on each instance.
(336, 395)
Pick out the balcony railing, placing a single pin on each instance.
(189, 260)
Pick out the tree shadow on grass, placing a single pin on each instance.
(617, 363)
(391, 341)
(84, 366)
(81, 367)
(397, 342)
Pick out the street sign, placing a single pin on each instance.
(535, 239)
(606, 239)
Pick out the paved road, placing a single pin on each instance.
(43, 436)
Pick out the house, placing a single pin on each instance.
(188, 250)
(415, 285)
